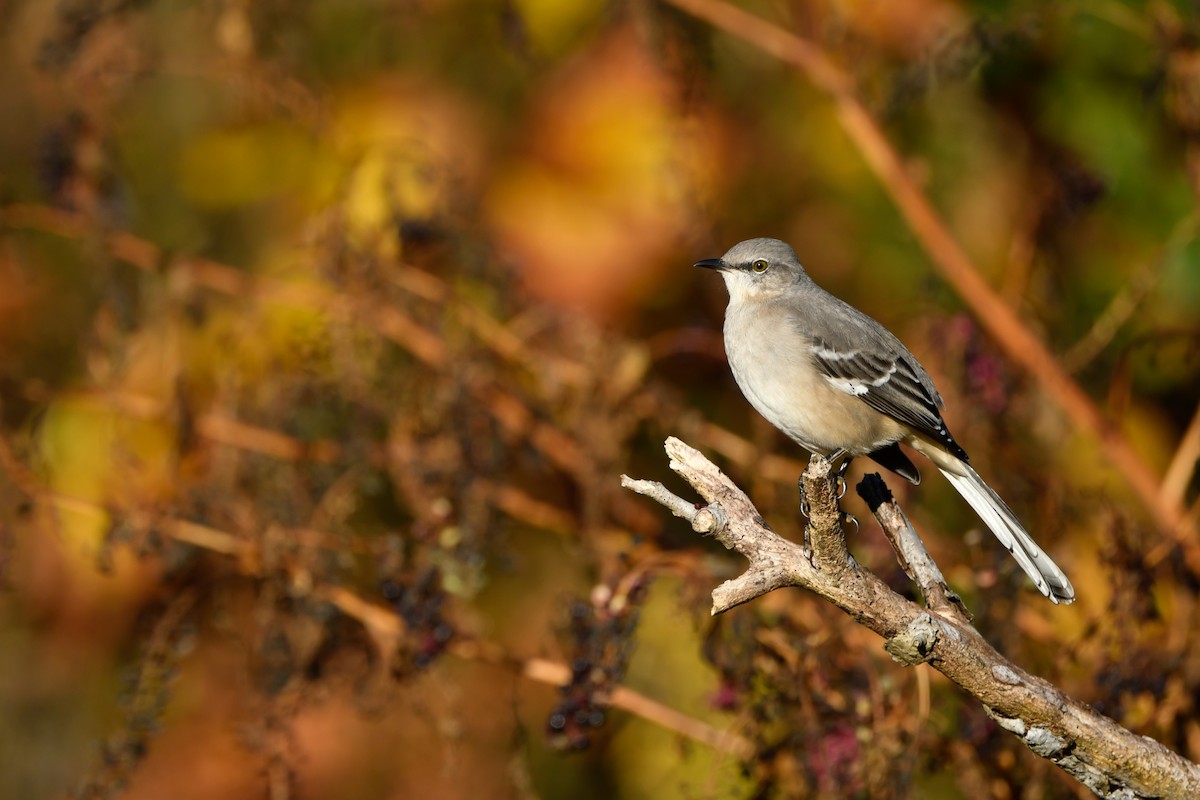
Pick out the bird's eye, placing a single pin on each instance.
(759, 266)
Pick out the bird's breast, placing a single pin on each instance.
(773, 365)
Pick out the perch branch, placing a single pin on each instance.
(1108, 759)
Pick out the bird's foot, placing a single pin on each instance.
(842, 459)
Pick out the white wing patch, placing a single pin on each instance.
(867, 376)
(825, 354)
(856, 388)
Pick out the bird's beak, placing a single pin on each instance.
(710, 263)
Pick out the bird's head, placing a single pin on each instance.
(757, 268)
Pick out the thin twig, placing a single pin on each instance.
(557, 674)
(1183, 463)
(1132, 294)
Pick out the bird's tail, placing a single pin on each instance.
(1050, 580)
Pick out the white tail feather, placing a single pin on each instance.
(1050, 580)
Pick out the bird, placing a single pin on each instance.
(841, 385)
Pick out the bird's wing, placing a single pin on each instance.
(889, 380)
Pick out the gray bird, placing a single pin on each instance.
(840, 384)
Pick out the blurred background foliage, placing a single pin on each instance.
(327, 327)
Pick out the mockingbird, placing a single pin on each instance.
(842, 385)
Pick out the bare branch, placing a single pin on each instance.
(914, 558)
(1108, 759)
